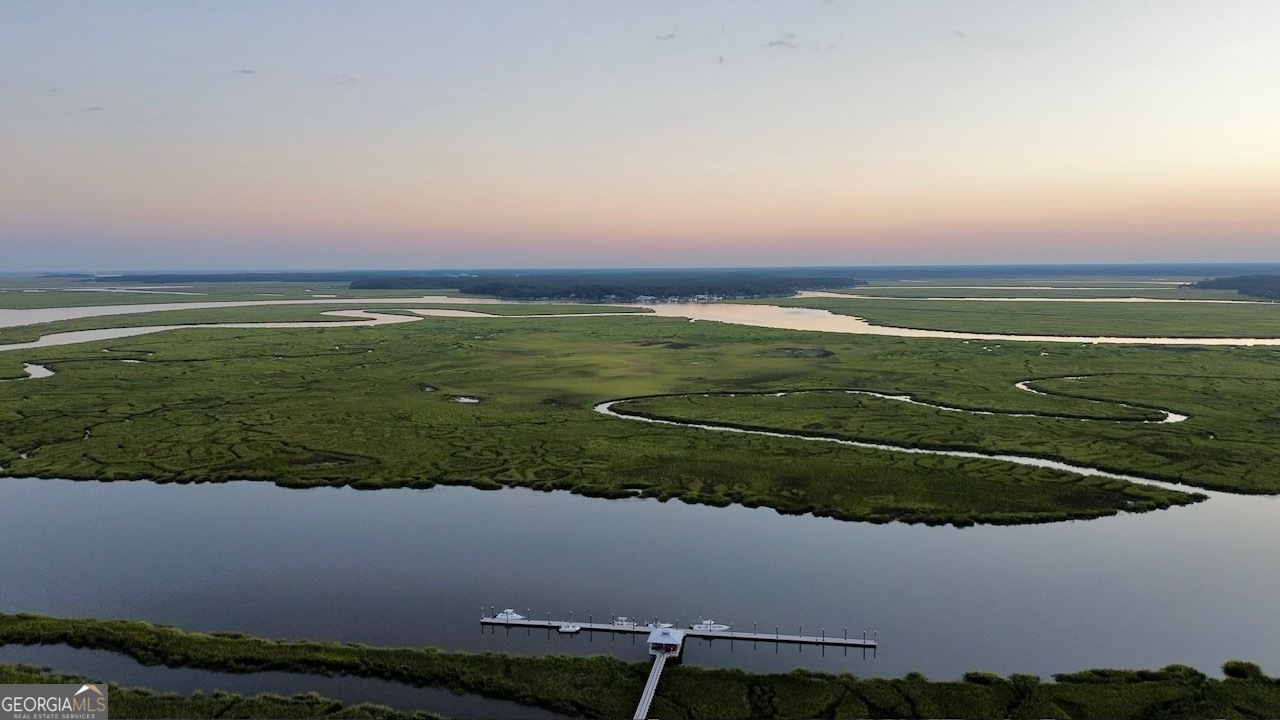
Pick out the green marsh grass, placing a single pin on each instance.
(605, 687)
(128, 702)
(1123, 290)
(345, 406)
(15, 293)
(284, 313)
(1178, 320)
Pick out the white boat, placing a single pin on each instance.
(569, 628)
(509, 614)
(622, 621)
(658, 626)
(710, 626)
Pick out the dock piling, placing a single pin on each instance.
(643, 629)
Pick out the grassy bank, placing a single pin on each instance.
(1044, 290)
(144, 703)
(1180, 320)
(606, 687)
(372, 408)
(283, 313)
(36, 292)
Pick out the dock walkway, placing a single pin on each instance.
(829, 640)
(668, 642)
(651, 687)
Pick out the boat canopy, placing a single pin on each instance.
(666, 636)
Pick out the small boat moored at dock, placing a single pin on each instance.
(704, 628)
(666, 643)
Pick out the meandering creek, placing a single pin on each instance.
(34, 372)
(413, 567)
(770, 316)
(607, 408)
(108, 666)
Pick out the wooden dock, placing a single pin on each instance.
(651, 686)
(668, 643)
(839, 639)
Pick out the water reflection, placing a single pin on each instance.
(616, 409)
(769, 316)
(791, 318)
(413, 568)
(124, 671)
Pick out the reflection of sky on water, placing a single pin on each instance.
(124, 671)
(770, 316)
(411, 567)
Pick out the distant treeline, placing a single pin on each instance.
(627, 286)
(450, 278)
(193, 277)
(1259, 286)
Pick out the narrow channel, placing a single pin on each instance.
(607, 408)
(122, 670)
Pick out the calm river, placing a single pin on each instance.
(1193, 585)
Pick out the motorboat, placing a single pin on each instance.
(569, 628)
(509, 614)
(622, 621)
(709, 626)
(658, 626)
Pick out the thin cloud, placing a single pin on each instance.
(785, 41)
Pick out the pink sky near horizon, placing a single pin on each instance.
(566, 133)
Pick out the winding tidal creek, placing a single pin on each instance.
(413, 567)
(770, 316)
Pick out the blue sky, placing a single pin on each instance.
(478, 134)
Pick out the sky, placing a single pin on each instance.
(598, 133)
